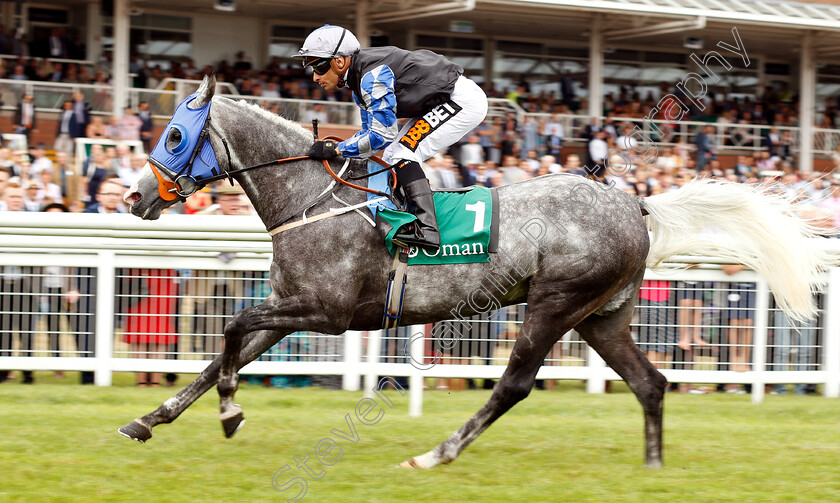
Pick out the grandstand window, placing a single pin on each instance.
(643, 68)
(42, 15)
(465, 51)
(285, 40)
(541, 66)
(158, 39)
(41, 20)
(828, 82)
(776, 69)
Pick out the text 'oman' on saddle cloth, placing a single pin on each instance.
(468, 224)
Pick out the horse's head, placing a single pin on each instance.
(181, 157)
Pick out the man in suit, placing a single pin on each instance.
(706, 150)
(68, 129)
(57, 43)
(146, 125)
(25, 116)
(81, 111)
(16, 299)
(108, 197)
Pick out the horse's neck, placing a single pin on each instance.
(276, 190)
(281, 191)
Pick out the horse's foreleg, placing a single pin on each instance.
(281, 314)
(231, 415)
(141, 429)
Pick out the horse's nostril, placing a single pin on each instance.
(133, 197)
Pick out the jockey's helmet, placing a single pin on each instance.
(328, 41)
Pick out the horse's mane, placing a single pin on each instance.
(290, 126)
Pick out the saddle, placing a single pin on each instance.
(467, 217)
(469, 231)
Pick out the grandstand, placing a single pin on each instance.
(599, 52)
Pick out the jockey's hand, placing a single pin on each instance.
(323, 150)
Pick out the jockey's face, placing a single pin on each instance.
(329, 80)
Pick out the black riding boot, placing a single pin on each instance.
(423, 232)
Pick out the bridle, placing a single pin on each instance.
(183, 183)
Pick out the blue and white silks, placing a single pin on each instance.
(378, 108)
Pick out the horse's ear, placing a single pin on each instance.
(205, 92)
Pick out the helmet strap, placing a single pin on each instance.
(340, 40)
(341, 71)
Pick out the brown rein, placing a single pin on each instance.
(167, 189)
(374, 158)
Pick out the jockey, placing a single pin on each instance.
(388, 83)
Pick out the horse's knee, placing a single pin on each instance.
(650, 391)
(511, 391)
(235, 327)
(228, 384)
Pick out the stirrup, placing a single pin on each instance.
(415, 242)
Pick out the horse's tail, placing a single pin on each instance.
(747, 225)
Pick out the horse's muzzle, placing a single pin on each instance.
(131, 197)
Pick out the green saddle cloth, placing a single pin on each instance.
(465, 220)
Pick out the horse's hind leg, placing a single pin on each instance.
(543, 326)
(141, 429)
(609, 335)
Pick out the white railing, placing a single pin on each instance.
(49, 96)
(185, 87)
(216, 265)
(500, 107)
(728, 138)
(336, 112)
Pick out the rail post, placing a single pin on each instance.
(104, 338)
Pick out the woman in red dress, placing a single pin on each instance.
(150, 326)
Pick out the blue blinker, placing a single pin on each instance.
(177, 139)
(176, 146)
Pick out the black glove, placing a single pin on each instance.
(323, 150)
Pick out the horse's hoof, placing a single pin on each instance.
(136, 430)
(411, 463)
(233, 421)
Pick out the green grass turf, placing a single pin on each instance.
(58, 442)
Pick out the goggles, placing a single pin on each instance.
(319, 65)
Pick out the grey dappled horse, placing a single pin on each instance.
(574, 250)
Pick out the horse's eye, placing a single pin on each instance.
(176, 141)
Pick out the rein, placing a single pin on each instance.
(170, 189)
(172, 184)
(376, 159)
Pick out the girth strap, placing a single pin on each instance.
(396, 290)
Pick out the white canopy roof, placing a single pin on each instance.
(763, 12)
